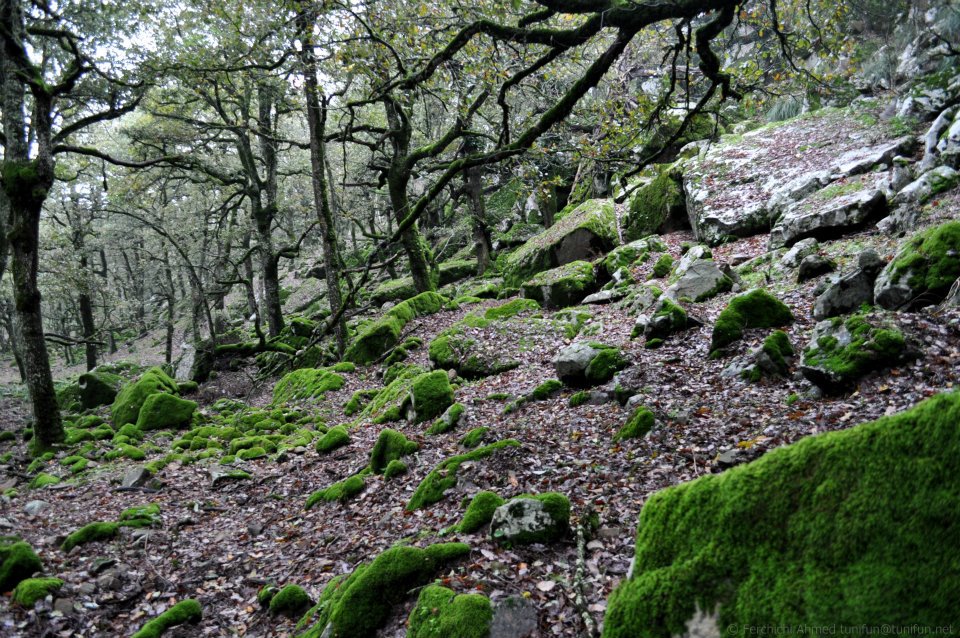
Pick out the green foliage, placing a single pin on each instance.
(357, 606)
(480, 511)
(18, 561)
(441, 613)
(185, 611)
(640, 422)
(444, 476)
(336, 437)
(754, 309)
(30, 590)
(390, 446)
(89, 533)
(847, 525)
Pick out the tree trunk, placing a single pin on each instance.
(87, 322)
(478, 213)
(270, 272)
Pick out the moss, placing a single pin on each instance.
(266, 594)
(444, 476)
(431, 395)
(126, 407)
(579, 398)
(140, 516)
(7, 436)
(777, 347)
(394, 468)
(183, 612)
(473, 438)
(98, 531)
(357, 606)
(382, 335)
(389, 403)
(662, 267)
(480, 511)
(130, 431)
(637, 426)
(563, 286)
(336, 437)
(835, 367)
(289, 601)
(390, 446)
(754, 309)
(127, 451)
(546, 390)
(448, 420)
(653, 344)
(305, 384)
(42, 480)
(161, 411)
(251, 453)
(603, 366)
(556, 505)
(30, 590)
(930, 261)
(98, 388)
(511, 309)
(441, 613)
(849, 526)
(340, 491)
(18, 561)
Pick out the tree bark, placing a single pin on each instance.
(478, 213)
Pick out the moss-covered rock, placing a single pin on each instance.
(42, 480)
(161, 410)
(562, 286)
(18, 562)
(511, 309)
(357, 606)
(848, 526)
(30, 590)
(841, 352)
(632, 254)
(444, 476)
(340, 491)
(291, 600)
(99, 531)
(306, 384)
(382, 335)
(126, 407)
(640, 422)
(588, 230)
(391, 403)
(390, 446)
(923, 270)
(336, 437)
(662, 267)
(668, 318)
(449, 420)
(754, 309)
(441, 613)
(653, 205)
(588, 363)
(480, 511)
(474, 437)
(531, 518)
(394, 468)
(98, 388)
(358, 400)
(430, 395)
(140, 516)
(185, 611)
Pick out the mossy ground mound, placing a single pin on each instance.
(444, 476)
(846, 527)
(441, 613)
(126, 407)
(640, 422)
(753, 309)
(430, 395)
(29, 591)
(305, 384)
(18, 561)
(378, 337)
(358, 605)
(185, 611)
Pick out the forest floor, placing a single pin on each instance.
(220, 543)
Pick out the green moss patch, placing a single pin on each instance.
(650, 206)
(42, 480)
(394, 468)
(444, 476)
(562, 286)
(186, 611)
(126, 407)
(430, 395)
(360, 604)
(292, 600)
(473, 438)
(340, 491)
(663, 267)
(510, 309)
(441, 613)
(930, 263)
(336, 437)
(305, 384)
(390, 446)
(848, 526)
(18, 562)
(555, 505)
(448, 420)
(30, 590)
(99, 531)
(480, 511)
(754, 309)
(382, 335)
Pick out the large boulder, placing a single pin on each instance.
(584, 233)
(538, 518)
(847, 525)
(850, 291)
(927, 185)
(585, 363)
(656, 205)
(126, 407)
(844, 205)
(98, 388)
(702, 280)
(841, 352)
(162, 410)
(562, 286)
(923, 270)
(753, 309)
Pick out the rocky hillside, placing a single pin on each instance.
(478, 462)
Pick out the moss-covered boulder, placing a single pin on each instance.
(842, 351)
(126, 407)
(923, 270)
(358, 605)
(335, 438)
(161, 411)
(98, 531)
(306, 384)
(430, 395)
(640, 422)
(754, 309)
(668, 318)
(563, 286)
(451, 418)
(390, 446)
(29, 591)
(376, 338)
(291, 600)
(339, 491)
(843, 527)
(531, 518)
(18, 562)
(441, 613)
(185, 611)
(656, 205)
(479, 511)
(98, 388)
(444, 476)
(582, 234)
(588, 363)
(633, 253)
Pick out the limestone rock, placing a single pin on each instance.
(850, 291)
(563, 286)
(136, 476)
(542, 518)
(814, 266)
(514, 617)
(923, 270)
(586, 363)
(799, 251)
(702, 280)
(927, 185)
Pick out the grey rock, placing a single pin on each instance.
(36, 508)
(109, 581)
(931, 140)
(526, 520)
(814, 266)
(63, 606)
(572, 361)
(857, 161)
(605, 296)
(851, 291)
(800, 250)
(729, 458)
(695, 254)
(136, 476)
(87, 589)
(514, 617)
(924, 187)
(448, 416)
(827, 219)
(6, 523)
(702, 280)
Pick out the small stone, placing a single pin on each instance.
(63, 605)
(35, 508)
(87, 589)
(729, 458)
(609, 533)
(136, 476)
(514, 617)
(102, 564)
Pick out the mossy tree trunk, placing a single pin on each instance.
(478, 214)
